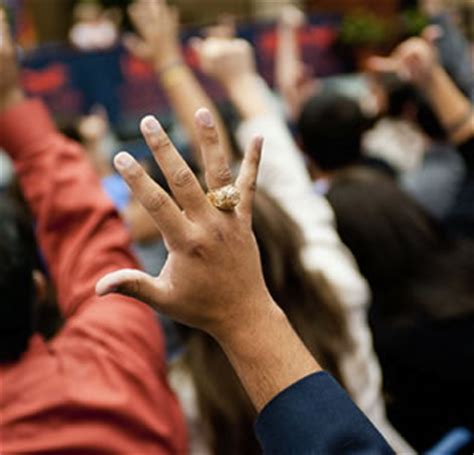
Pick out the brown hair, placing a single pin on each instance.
(227, 415)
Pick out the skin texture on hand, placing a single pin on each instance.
(212, 279)
(213, 256)
(10, 91)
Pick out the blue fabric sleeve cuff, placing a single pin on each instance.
(315, 415)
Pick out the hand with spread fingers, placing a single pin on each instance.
(10, 90)
(157, 26)
(212, 278)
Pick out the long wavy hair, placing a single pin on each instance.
(226, 414)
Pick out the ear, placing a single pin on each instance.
(39, 281)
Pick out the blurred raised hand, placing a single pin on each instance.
(10, 89)
(157, 38)
(415, 60)
(226, 60)
(212, 278)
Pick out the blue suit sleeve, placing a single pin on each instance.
(316, 416)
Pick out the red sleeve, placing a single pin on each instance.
(78, 230)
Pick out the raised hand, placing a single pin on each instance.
(212, 278)
(226, 60)
(415, 60)
(10, 90)
(157, 26)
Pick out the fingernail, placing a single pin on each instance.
(205, 117)
(150, 124)
(123, 160)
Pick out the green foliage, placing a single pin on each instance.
(413, 22)
(364, 28)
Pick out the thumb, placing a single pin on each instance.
(383, 64)
(132, 283)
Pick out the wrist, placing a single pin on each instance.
(430, 83)
(240, 83)
(167, 59)
(238, 336)
(11, 98)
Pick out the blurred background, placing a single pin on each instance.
(73, 58)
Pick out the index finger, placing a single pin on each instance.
(165, 213)
(383, 64)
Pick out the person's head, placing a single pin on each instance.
(331, 128)
(309, 304)
(17, 283)
(410, 264)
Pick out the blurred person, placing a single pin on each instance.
(219, 414)
(94, 28)
(410, 137)
(435, 183)
(421, 277)
(416, 61)
(100, 383)
(283, 177)
(422, 303)
(331, 127)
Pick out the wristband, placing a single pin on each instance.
(171, 73)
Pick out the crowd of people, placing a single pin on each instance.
(303, 283)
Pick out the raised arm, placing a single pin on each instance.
(416, 60)
(213, 281)
(158, 27)
(291, 74)
(78, 231)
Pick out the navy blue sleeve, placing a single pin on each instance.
(316, 416)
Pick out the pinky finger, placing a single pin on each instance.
(247, 179)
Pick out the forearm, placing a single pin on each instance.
(79, 233)
(454, 110)
(186, 96)
(247, 96)
(268, 356)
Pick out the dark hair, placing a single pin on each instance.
(17, 262)
(403, 97)
(310, 306)
(412, 267)
(331, 128)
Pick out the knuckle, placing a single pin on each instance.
(135, 173)
(160, 142)
(182, 177)
(155, 202)
(223, 175)
(210, 135)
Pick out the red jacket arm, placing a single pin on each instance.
(79, 233)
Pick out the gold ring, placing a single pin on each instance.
(225, 198)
